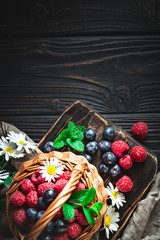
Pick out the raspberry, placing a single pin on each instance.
(126, 162)
(140, 129)
(62, 236)
(74, 229)
(27, 186)
(138, 154)
(71, 220)
(18, 199)
(124, 184)
(82, 219)
(119, 147)
(43, 186)
(65, 175)
(20, 216)
(32, 199)
(59, 214)
(36, 177)
(80, 186)
(76, 214)
(60, 184)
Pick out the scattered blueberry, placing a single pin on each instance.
(60, 226)
(105, 146)
(115, 170)
(92, 147)
(50, 227)
(32, 213)
(109, 158)
(40, 214)
(41, 204)
(48, 147)
(103, 168)
(49, 195)
(109, 133)
(88, 157)
(45, 237)
(90, 134)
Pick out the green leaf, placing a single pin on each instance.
(89, 215)
(95, 211)
(78, 196)
(14, 173)
(76, 144)
(8, 181)
(78, 133)
(98, 206)
(63, 135)
(89, 196)
(59, 144)
(71, 126)
(68, 211)
(2, 204)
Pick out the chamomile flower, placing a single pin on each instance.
(19, 139)
(116, 197)
(3, 175)
(8, 149)
(52, 168)
(110, 221)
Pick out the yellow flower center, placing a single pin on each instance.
(21, 142)
(8, 149)
(107, 221)
(51, 170)
(114, 194)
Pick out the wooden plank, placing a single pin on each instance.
(140, 173)
(37, 18)
(112, 74)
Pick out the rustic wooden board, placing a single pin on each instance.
(142, 174)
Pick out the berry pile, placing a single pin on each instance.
(33, 198)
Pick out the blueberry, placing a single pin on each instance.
(103, 168)
(90, 134)
(45, 237)
(105, 146)
(92, 147)
(48, 147)
(88, 157)
(115, 170)
(32, 213)
(49, 195)
(40, 214)
(109, 158)
(60, 226)
(41, 204)
(109, 133)
(50, 227)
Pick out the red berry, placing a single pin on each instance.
(18, 199)
(36, 177)
(62, 236)
(80, 186)
(32, 199)
(20, 216)
(59, 214)
(138, 154)
(126, 162)
(27, 186)
(140, 129)
(65, 175)
(60, 184)
(82, 219)
(76, 214)
(74, 230)
(43, 186)
(71, 220)
(119, 147)
(124, 184)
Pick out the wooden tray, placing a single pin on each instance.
(142, 174)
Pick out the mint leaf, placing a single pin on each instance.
(89, 215)
(95, 211)
(59, 144)
(78, 196)
(68, 211)
(98, 206)
(2, 204)
(71, 126)
(8, 181)
(89, 196)
(63, 135)
(76, 144)
(78, 133)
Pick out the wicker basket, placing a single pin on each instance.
(81, 170)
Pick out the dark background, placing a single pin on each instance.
(105, 53)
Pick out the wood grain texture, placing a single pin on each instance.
(70, 18)
(139, 173)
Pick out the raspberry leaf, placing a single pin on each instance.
(78, 196)
(89, 215)
(68, 211)
(89, 197)
(98, 206)
(76, 144)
